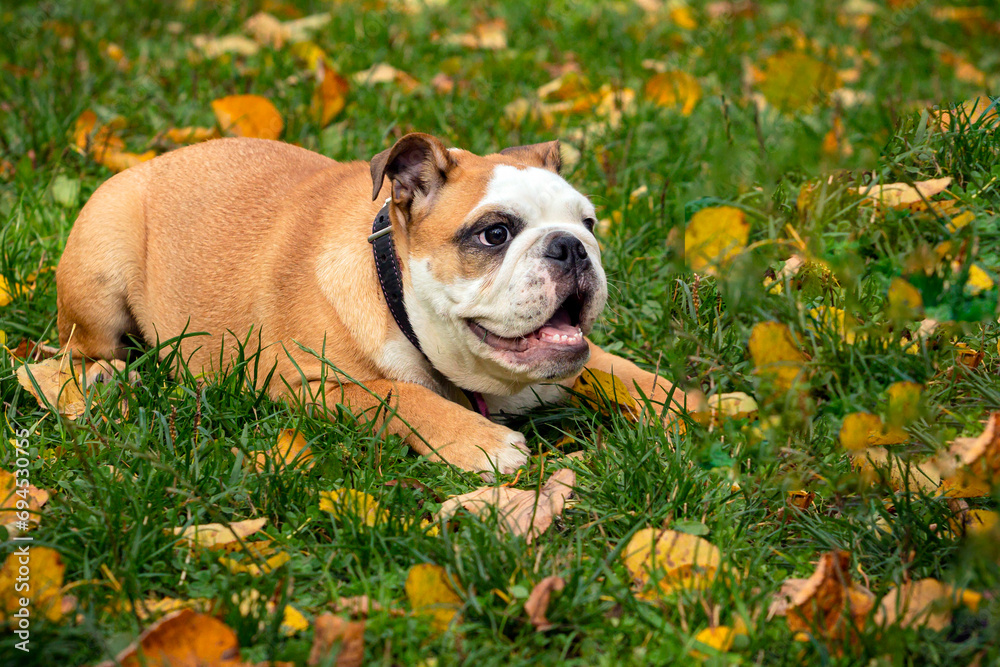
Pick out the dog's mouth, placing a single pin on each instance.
(560, 332)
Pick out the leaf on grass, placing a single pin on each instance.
(671, 560)
(184, 638)
(775, 354)
(248, 116)
(905, 301)
(488, 35)
(362, 605)
(901, 474)
(333, 631)
(793, 81)
(103, 144)
(190, 135)
(674, 90)
(44, 587)
(904, 403)
(719, 638)
(861, 430)
(976, 522)
(523, 513)
(605, 392)
(345, 503)
(971, 466)
(14, 499)
(713, 237)
(269, 30)
(56, 383)
(897, 194)
(833, 320)
(828, 603)
(253, 558)
(926, 602)
(430, 592)
(213, 47)
(538, 601)
(979, 111)
(156, 607)
(386, 73)
(213, 534)
(330, 95)
(290, 449)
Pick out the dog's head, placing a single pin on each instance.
(505, 275)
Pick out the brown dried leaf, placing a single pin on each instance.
(538, 601)
(332, 630)
(182, 639)
(57, 385)
(925, 602)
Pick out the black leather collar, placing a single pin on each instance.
(391, 280)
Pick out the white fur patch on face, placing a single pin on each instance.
(513, 299)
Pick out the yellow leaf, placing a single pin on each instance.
(719, 638)
(861, 430)
(834, 320)
(121, 160)
(568, 86)
(271, 563)
(343, 503)
(213, 47)
(875, 463)
(979, 281)
(57, 384)
(793, 81)
(8, 292)
(153, 607)
(44, 582)
(713, 237)
(926, 602)
(248, 116)
(182, 638)
(293, 621)
(734, 405)
(430, 592)
(213, 534)
(902, 194)
(310, 53)
(290, 449)
(670, 560)
(904, 403)
(905, 301)
(674, 89)
(776, 356)
(971, 466)
(682, 17)
(14, 498)
(606, 392)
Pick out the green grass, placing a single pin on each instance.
(174, 440)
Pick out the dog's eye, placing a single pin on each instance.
(494, 235)
(589, 223)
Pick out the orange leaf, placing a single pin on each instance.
(331, 630)
(248, 116)
(182, 639)
(329, 97)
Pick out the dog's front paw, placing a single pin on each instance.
(507, 456)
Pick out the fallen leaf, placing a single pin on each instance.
(344, 503)
(269, 30)
(212, 534)
(926, 602)
(605, 392)
(964, 70)
(972, 465)
(793, 81)
(248, 116)
(674, 90)
(8, 292)
(861, 430)
(538, 601)
(291, 449)
(332, 630)
(523, 513)
(903, 474)
(184, 638)
(330, 95)
(719, 638)
(156, 607)
(488, 35)
(775, 354)
(828, 603)
(213, 47)
(386, 73)
(190, 135)
(670, 560)
(976, 522)
(896, 194)
(733, 405)
(713, 237)
(247, 559)
(430, 592)
(44, 583)
(904, 403)
(979, 111)
(905, 301)
(56, 386)
(361, 605)
(15, 499)
(799, 500)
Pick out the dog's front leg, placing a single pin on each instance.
(430, 424)
(666, 398)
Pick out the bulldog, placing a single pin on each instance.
(471, 295)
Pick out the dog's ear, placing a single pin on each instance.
(417, 164)
(544, 155)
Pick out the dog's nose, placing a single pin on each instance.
(567, 251)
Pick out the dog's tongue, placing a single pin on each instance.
(559, 325)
